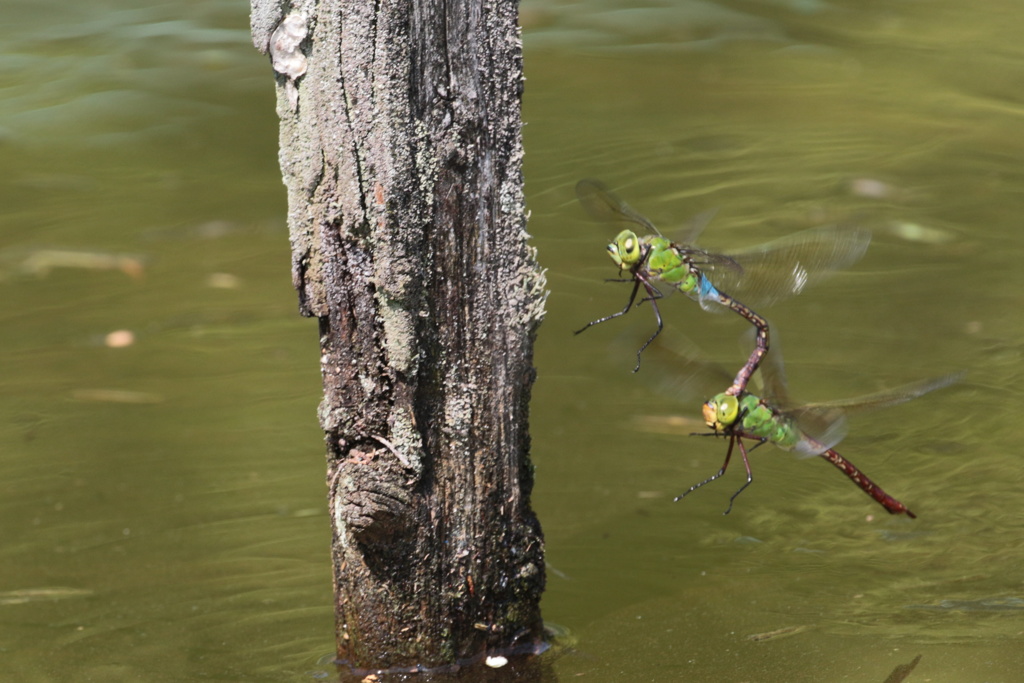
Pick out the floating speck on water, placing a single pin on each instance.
(119, 339)
(914, 232)
(223, 281)
(24, 595)
(871, 188)
(496, 662)
(115, 396)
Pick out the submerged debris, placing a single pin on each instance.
(116, 396)
(777, 633)
(983, 605)
(39, 262)
(119, 339)
(24, 595)
(915, 232)
(900, 673)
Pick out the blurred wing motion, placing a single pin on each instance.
(782, 268)
(825, 423)
(604, 205)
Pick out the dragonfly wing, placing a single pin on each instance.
(785, 267)
(695, 226)
(822, 428)
(604, 205)
(891, 397)
(825, 423)
(709, 296)
(683, 370)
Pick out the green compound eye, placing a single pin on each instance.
(627, 248)
(616, 255)
(721, 412)
(728, 409)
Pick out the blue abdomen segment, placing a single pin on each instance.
(706, 290)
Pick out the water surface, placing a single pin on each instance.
(162, 503)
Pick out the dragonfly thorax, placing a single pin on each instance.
(667, 263)
(755, 419)
(748, 416)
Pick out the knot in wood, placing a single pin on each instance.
(375, 500)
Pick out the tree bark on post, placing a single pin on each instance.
(401, 151)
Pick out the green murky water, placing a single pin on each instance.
(161, 504)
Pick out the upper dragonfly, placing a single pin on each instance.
(763, 274)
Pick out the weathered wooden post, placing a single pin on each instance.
(402, 155)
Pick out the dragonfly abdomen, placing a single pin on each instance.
(893, 506)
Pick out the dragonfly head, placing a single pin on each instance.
(721, 412)
(626, 250)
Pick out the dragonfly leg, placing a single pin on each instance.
(760, 442)
(893, 506)
(653, 293)
(750, 476)
(710, 479)
(624, 311)
(657, 316)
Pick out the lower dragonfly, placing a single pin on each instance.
(767, 273)
(811, 429)
(808, 429)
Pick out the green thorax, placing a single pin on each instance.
(663, 260)
(750, 416)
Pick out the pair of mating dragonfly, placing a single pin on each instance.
(781, 268)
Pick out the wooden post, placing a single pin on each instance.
(402, 155)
